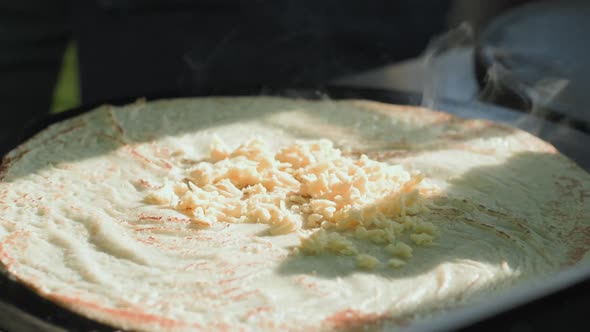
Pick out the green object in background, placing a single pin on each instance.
(67, 90)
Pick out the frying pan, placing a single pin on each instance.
(21, 309)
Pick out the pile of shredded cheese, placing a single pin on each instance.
(331, 200)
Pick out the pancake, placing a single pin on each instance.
(79, 225)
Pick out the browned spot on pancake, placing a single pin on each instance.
(134, 315)
(149, 240)
(567, 183)
(199, 265)
(231, 280)
(178, 220)
(219, 326)
(166, 164)
(245, 295)
(145, 184)
(189, 162)
(143, 229)
(351, 320)
(580, 237)
(257, 311)
(308, 283)
(67, 130)
(159, 162)
(8, 161)
(488, 227)
(518, 222)
(138, 155)
(305, 282)
(11, 241)
(114, 121)
(146, 217)
(161, 152)
(5, 258)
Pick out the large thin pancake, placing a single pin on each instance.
(74, 225)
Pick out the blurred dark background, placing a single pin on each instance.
(57, 54)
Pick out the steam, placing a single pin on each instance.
(533, 95)
(455, 39)
(541, 94)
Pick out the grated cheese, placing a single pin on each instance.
(395, 263)
(366, 261)
(330, 199)
(399, 249)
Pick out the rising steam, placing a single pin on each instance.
(533, 96)
(455, 39)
